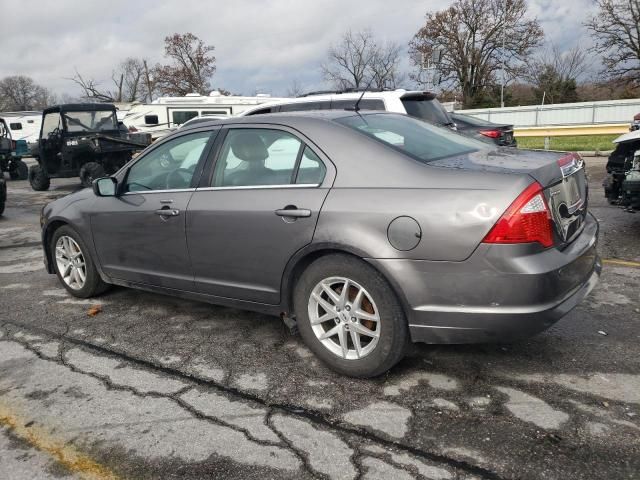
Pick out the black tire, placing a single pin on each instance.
(3, 195)
(38, 179)
(94, 285)
(18, 170)
(394, 332)
(89, 172)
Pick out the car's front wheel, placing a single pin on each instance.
(349, 316)
(73, 264)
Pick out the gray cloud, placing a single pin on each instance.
(259, 44)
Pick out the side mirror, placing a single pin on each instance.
(105, 187)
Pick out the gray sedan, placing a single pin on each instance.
(369, 229)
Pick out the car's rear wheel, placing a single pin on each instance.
(89, 172)
(73, 264)
(38, 179)
(349, 316)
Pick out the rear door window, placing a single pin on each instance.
(365, 104)
(303, 106)
(253, 157)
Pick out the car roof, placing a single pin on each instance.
(326, 96)
(80, 107)
(286, 118)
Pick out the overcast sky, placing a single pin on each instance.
(260, 44)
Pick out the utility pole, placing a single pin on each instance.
(148, 81)
(504, 28)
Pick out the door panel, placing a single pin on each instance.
(140, 234)
(137, 244)
(239, 245)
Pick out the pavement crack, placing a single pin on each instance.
(302, 456)
(286, 408)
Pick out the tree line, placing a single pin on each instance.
(474, 51)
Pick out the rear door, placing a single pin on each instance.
(258, 209)
(140, 234)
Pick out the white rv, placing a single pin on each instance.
(23, 125)
(167, 113)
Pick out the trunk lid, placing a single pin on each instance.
(561, 175)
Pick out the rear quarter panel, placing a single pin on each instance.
(454, 211)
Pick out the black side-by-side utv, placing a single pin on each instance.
(83, 140)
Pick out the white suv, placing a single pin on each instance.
(423, 105)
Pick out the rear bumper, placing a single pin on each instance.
(501, 293)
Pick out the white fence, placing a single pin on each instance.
(586, 113)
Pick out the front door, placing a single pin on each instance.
(139, 235)
(260, 207)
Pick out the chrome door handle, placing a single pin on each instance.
(293, 212)
(168, 212)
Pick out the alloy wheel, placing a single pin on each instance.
(344, 317)
(70, 262)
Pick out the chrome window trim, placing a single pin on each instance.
(259, 187)
(174, 190)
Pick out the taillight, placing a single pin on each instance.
(527, 220)
(491, 133)
(133, 129)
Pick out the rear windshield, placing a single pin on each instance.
(90, 121)
(428, 109)
(421, 140)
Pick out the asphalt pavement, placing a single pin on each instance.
(139, 385)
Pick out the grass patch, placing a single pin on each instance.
(576, 143)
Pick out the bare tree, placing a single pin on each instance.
(358, 59)
(192, 66)
(384, 67)
(295, 89)
(128, 79)
(478, 39)
(616, 30)
(91, 89)
(19, 92)
(554, 74)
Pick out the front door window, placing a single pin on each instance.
(170, 166)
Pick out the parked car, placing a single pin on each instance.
(84, 140)
(370, 229)
(487, 131)
(423, 105)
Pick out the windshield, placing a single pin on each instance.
(428, 109)
(421, 140)
(90, 121)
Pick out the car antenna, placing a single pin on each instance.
(356, 107)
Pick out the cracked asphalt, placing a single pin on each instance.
(157, 387)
